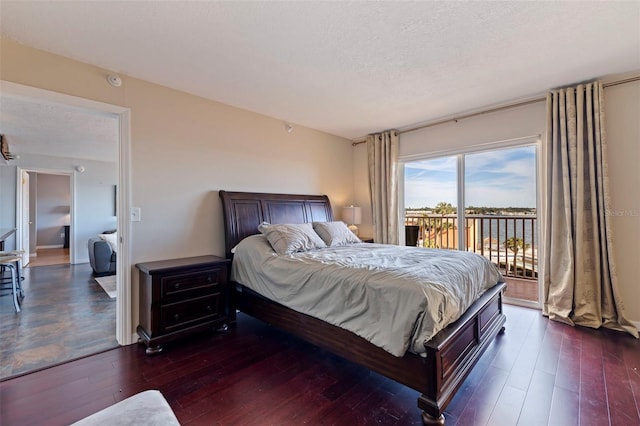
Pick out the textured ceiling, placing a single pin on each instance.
(33, 127)
(347, 68)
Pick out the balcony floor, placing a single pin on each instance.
(519, 288)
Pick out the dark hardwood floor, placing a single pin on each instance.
(65, 315)
(538, 373)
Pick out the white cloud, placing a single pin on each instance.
(500, 178)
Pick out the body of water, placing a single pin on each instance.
(500, 229)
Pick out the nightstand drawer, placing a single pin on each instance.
(184, 314)
(174, 285)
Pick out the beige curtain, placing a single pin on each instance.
(579, 274)
(382, 152)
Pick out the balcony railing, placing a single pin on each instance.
(509, 241)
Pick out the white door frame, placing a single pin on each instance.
(19, 203)
(125, 334)
(24, 204)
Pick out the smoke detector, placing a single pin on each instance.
(114, 80)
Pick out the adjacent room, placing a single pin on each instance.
(319, 212)
(65, 199)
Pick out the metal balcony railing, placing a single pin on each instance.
(509, 241)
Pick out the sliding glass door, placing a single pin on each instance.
(483, 202)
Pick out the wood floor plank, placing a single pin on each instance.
(594, 404)
(634, 378)
(568, 372)
(508, 407)
(565, 408)
(281, 405)
(622, 405)
(258, 375)
(49, 257)
(481, 404)
(74, 413)
(524, 365)
(537, 402)
(552, 343)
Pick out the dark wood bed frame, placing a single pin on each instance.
(450, 355)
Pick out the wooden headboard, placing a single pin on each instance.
(244, 211)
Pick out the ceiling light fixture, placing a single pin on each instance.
(288, 127)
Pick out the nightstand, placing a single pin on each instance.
(179, 297)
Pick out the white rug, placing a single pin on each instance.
(146, 408)
(108, 284)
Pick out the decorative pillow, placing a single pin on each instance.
(112, 239)
(335, 233)
(287, 239)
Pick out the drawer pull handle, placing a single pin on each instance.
(210, 279)
(176, 286)
(209, 308)
(176, 317)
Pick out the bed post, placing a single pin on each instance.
(428, 420)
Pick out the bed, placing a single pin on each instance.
(448, 356)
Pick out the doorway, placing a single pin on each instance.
(124, 330)
(46, 214)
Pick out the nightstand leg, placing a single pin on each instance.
(154, 350)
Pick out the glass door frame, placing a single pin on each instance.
(535, 141)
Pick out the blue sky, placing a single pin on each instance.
(499, 178)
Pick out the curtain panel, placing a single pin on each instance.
(382, 153)
(579, 276)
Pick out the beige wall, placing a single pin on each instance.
(185, 148)
(622, 115)
(622, 108)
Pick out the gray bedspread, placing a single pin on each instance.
(395, 297)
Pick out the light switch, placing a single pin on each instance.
(136, 215)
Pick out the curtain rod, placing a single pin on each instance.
(496, 109)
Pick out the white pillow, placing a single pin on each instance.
(112, 239)
(335, 233)
(287, 239)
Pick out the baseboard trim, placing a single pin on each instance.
(49, 247)
(83, 260)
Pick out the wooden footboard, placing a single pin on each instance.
(451, 354)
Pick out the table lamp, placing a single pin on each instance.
(352, 216)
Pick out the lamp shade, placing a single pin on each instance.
(352, 215)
